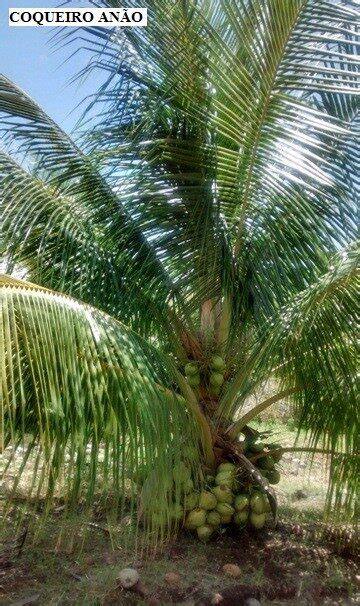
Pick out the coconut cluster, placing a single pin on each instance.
(225, 501)
(228, 497)
(210, 375)
(264, 457)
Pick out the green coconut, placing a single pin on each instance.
(223, 494)
(188, 486)
(266, 462)
(140, 474)
(241, 502)
(265, 472)
(191, 369)
(229, 467)
(246, 443)
(216, 379)
(225, 509)
(273, 476)
(209, 479)
(257, 446)
(191, 500)
(190, 453)
(276, 456)
(258, 503)
(226, 519)
(215, 391)
(257, 519)
(250, 454)
(177, 511)
(217, 363)
(225, 478)
(204, 532)
(181, 472)
(163, 481)
(207, 500)
(274, 446)
(237, 486)
(157, 519)
(241, 517)
(193, 380)
(213, 518)
(196, 518)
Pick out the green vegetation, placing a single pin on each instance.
(85, 571)
(196, 243)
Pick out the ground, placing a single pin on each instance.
(292, 564)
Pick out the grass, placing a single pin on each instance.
(293, 564)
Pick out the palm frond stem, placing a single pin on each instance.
(235, 429)
(309, 449)
(194, 407)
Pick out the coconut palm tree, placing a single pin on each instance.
(196, 241)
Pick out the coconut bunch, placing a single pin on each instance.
(210, 375)
(225, 501)
(162, 499)
(265, 457)
(192, 373)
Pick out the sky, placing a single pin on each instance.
(27, 58)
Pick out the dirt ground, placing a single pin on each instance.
(289, 565)
(296, 563)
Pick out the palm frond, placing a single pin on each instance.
(217, 106)
(93, 401)
(318, 347)
(90, 210)
(44, 232)
(311, 348)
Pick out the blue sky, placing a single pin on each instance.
(26, 57)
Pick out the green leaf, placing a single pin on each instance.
(64, 178)
(311, 348)
(93, 401)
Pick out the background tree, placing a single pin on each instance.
(207, 210)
